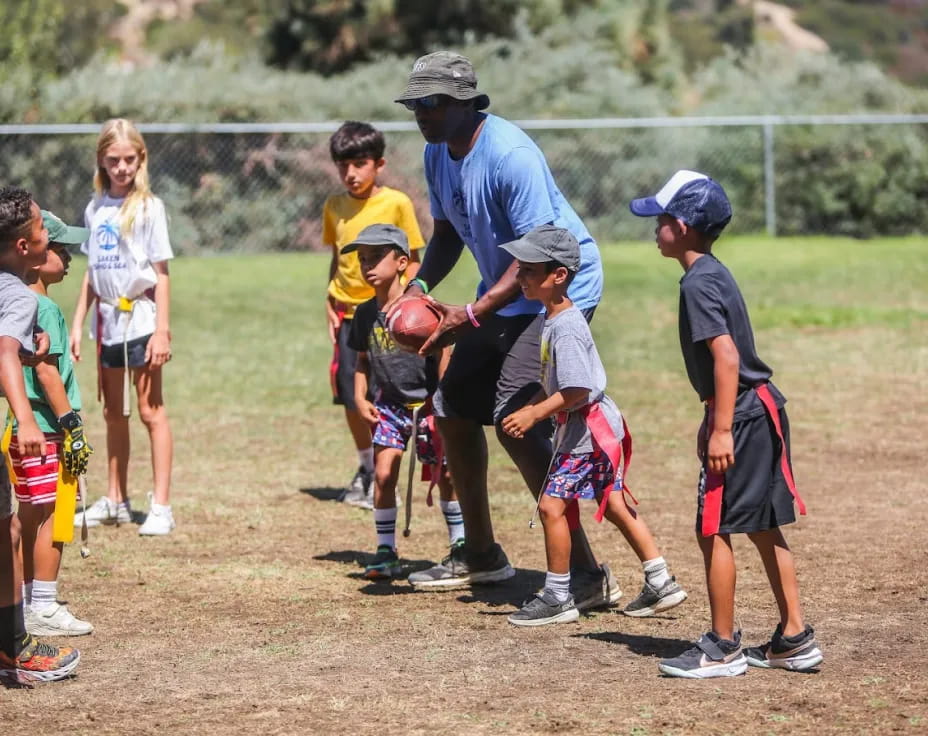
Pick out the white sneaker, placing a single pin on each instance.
(56, 620)
(104, 511)
(160, 521)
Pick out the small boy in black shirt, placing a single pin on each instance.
(746, 484)
(404, 383)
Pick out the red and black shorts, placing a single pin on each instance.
(756, 496)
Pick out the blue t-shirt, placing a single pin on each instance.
(498, 192)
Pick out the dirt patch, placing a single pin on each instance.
(252, 617)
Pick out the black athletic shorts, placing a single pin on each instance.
(345, 360)
(494, 370)
(111, 355)
(755, 497)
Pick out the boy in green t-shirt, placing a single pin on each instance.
(55, 398)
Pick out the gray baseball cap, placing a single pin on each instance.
(380, 235)
(546, 243)
(443, 73)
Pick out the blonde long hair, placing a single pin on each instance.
(119, 130)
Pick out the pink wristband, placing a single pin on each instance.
(470, 315)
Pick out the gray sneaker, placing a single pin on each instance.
(709, 657)
(594, 589)
(360, 492)
(460, 568)
(651, 600)
(543, 609)
(799, 653)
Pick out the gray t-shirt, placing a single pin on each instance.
(18, 309)
(711, 305)
(569, 359)
(398, 376)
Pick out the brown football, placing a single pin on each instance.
(412, 323)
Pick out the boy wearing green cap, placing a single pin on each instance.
(55, 398)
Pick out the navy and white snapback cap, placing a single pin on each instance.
(692, 197)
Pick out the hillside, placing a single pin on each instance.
(891, 33)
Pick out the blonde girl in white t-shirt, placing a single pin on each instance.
(127, 290)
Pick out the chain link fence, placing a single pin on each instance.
(259, 188)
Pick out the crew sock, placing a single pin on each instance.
(454, 519)
(558, 586)
(385, 524)
(655, 572)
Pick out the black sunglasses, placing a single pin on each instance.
(427, 103)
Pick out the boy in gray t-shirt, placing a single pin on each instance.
(592, 447)
(23, 245)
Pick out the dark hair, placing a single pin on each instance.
(356, 140)
(15, 213)
(552, 266)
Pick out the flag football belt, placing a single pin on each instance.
(124, 305)
(715, 483)
(65, 489)
(619, 454)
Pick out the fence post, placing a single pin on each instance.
(770, 194)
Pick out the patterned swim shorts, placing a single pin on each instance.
(395, 428)
(581, 476)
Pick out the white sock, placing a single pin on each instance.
(27, 593)
(366, 458)
(454, 519)
(163, 508)
(558, 585)
(655, 572)
(385, 523)
(44, 594)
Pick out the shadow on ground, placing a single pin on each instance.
(325, 493)
(648, 646)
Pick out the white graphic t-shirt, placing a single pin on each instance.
(122, 267)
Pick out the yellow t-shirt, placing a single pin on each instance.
(343, 218)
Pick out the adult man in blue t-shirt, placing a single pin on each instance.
(489, 184)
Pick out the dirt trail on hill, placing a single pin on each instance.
(782, 19)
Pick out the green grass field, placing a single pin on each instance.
(251, 616)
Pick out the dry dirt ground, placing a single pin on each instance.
(252, 616)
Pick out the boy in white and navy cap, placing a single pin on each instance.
(746, 482)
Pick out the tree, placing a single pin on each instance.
(328, 36)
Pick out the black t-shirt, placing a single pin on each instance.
(711, 305)
(400, 377)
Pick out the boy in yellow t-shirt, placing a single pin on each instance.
(357, 150)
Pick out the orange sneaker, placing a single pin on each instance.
(39, 662)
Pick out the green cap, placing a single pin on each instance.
(443, 73)
(59, 232)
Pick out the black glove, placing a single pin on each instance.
(76, 449)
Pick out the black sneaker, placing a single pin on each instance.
(799, 653)
(652, 600)
(543, 609)
(711, 656)
(384, 566)
(461, 568)
(594, 589)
